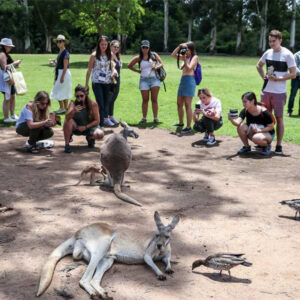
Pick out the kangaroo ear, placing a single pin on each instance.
(174, 222)
(158, 221)
(124, 124)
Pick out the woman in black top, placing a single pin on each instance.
(259, 126)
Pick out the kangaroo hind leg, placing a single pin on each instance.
(104, 265)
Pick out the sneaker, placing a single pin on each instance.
(143, 121)
(211, 140)
(91, 142)
(14, 117)
(278, 149)
(68, 149)
(9, 120)
(155, 121)
(266, 150)
(178, 125)
(259, 148)
(289, 114)
(60, 111)
(205, 138)
(244, 149)
(108, 123)
(113, 120)
(186, 130)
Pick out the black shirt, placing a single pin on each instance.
(264, 118)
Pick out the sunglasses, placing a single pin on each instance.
(117, 47)
(44, 103)
(79, 96)
(145, 47)
(58, 42)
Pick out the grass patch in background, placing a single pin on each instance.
(227, 77)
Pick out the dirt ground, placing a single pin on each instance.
(226, 203)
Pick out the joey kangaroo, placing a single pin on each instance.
(93, 170)
(101, 245)
(115, 157)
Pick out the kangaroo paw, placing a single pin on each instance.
(162, 277)
(169, 271)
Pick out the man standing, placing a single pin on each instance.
(295, 86)
(281, 66)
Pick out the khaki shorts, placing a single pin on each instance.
(274, 102)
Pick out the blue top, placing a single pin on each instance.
(60, 59)
(26, 115)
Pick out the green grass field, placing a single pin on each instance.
(227, 77)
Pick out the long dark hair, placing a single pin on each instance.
(250, 96)
(88, 101)
(8, 57)
(191, 46)
(141, 56)
(107, 51)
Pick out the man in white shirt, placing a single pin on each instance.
(281, 66)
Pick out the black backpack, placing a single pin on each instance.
(160, 73)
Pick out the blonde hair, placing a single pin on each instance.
(205, 91)
(38, 114)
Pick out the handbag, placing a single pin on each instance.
(7, 77)
(18, 78)
(160, 73)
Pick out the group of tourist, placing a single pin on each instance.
(87, 117)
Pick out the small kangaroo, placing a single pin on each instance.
(115, 157)
(101, 245)
(93, 170)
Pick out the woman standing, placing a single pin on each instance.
(62, 89)
(35, 122)
(6, 87)
(82, 118)
(259, 126)
(102, 68)
(115, 49)
(148, 62)
(186, 52)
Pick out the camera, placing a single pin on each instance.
(198, 106)
(78, 102)
(183, 51)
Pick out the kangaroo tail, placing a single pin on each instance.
(62, 250)
(247, 264)
(124, 197)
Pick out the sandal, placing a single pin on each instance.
(33, 149)
(155, 121)
(143, 121)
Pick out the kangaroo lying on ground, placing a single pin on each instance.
(115, 157)
(93, 170)
(101, 245)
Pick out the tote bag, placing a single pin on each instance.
(20, 84)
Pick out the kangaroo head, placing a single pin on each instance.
(162, 237)
(128, 131)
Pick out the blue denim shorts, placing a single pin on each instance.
(146, 83)
(187, 86)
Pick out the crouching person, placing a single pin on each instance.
(211, 110)
(82, 118)
(35, 121)
(259, 126)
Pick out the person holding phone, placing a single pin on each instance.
(82, 118)
(35, 121)
(211, 110)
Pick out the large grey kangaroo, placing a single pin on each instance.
(115, 157)
(101, 245)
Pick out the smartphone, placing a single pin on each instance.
(78, 102)
(198, 106)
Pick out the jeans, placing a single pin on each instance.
(295, 85)
(36, 134)
(116, 90)
(103, 95)
(208, 125)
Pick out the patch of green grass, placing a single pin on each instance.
(227, 77)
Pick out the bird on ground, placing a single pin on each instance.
(294, 203)
(222, 261)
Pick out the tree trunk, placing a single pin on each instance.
(48, 43)
(293, 27)
(166, 25)
(239, 28)
(124, 42)
(26, 29)
(263, 27)
(213, 32)
(190, 24)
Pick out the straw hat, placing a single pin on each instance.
(6, 42)
(61, 37)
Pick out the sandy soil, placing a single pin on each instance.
(226, 203)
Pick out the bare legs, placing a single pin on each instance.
(145, 96)
(187, 102)
(279, 129)
(8, 106)
(63, 104)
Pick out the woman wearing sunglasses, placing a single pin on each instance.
(35, 122)
(148, 62)
(82, 118)
(62, 89)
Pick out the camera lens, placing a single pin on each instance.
(183, 51)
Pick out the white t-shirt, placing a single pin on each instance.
(146, 68)
(214, 105)
(281, 60)
(26, 115)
